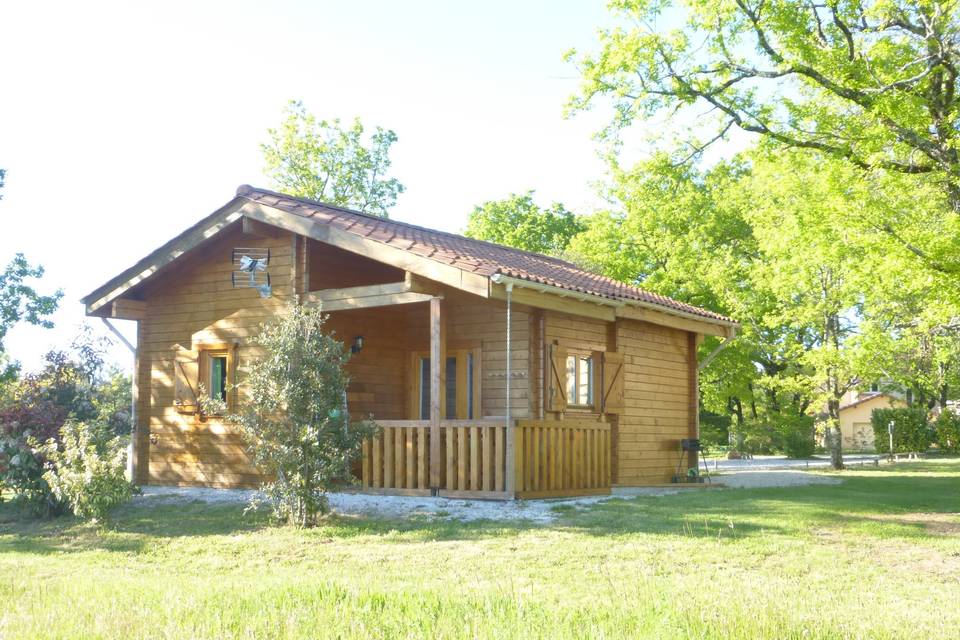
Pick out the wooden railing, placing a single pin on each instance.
(562, 458)
(473, 458)
(398, 458)
(553, 458)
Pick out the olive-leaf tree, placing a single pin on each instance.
(331, 162)
(293, 415)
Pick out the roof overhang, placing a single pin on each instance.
(107, 300)
(537, 294)
(100, 302)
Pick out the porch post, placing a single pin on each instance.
(436, 384)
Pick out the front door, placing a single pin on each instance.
(460, 391)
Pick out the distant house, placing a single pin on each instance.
(493, 372)
(855, 425)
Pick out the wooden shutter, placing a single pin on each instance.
(613, 375)
(557, 378)
(186, 371)
(596, 364)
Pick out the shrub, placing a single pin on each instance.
(21, 473)
(947, 429)
(88, 479)
(797, 438)
(911, 431)
(294, 422)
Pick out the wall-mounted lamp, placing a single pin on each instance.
(357, 345)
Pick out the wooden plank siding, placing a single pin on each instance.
(192, 304)
(659, 401)
(658, 396)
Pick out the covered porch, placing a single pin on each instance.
(453, 382)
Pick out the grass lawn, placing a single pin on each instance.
(876, 556)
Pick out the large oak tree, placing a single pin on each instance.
(871, 82)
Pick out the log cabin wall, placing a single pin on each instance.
(192, 305)
(657, 404)
(195, 304)
(658, 409)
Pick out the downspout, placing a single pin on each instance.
(541, 381)
(131, 446)
(511, 458)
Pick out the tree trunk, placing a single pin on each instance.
(736, 408)
(753, 401)
(833, 433)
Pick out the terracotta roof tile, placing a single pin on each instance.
(478, 256)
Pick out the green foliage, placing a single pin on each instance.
(871, 83)
(22, 474)
(19, 301)
(911, 431)
(714, 430)
(727, 239)
(947, 428)
(73, 385)
(294, 420)
(330, 162)
(517, 221)
(797, 439)
(86, 476)
(111, 402)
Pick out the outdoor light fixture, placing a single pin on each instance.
(357, 344)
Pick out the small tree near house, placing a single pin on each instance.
(293, 416)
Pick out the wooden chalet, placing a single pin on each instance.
(493, 372)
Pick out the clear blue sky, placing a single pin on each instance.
(123, 123)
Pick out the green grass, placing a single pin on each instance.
(877, 556)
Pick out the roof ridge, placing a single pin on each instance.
(245, 189)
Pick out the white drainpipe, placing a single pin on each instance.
(131, 446)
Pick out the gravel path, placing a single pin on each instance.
(783, 462)
(355, 504)
(762, 479)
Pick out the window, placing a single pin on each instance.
(218, 378)
(424, 396)
(450, 396)
(580, 380)
(215, 374)
(206, 367)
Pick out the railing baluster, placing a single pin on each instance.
(423, 469)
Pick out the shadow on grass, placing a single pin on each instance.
(866, 502)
